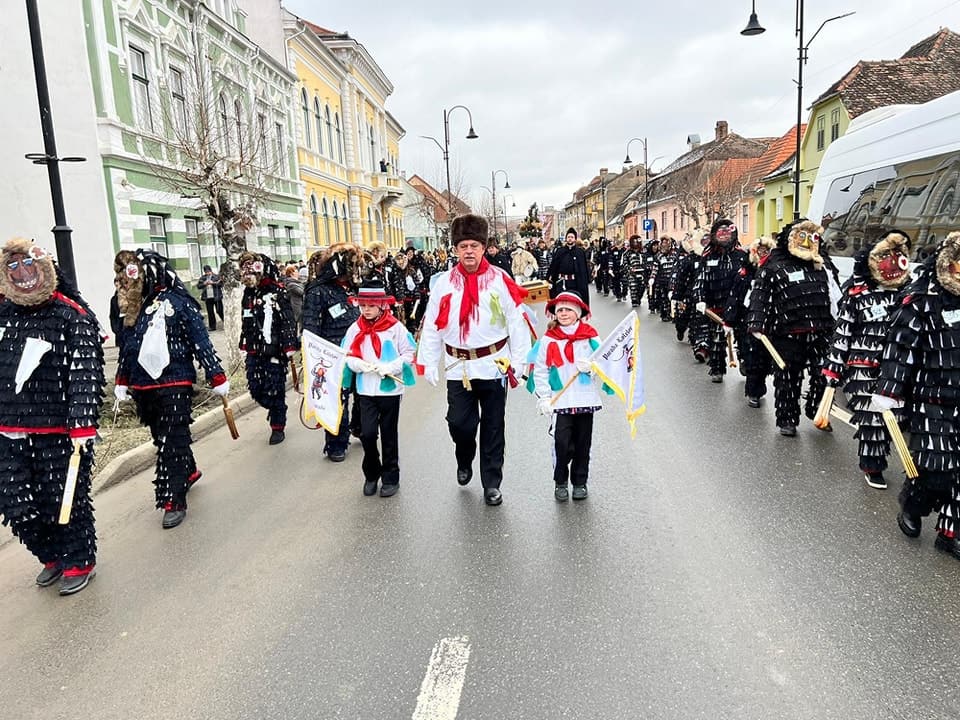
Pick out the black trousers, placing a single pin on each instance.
(267, 382)
(801, 352)
(214, 306)
(167, 412)
(33, 472)
(380, 415)
(341, 441)
(483, 406)
(933, 491)
(572, 437)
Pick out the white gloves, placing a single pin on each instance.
(727, 330)
(223, 389)
(431, 375)
(120, 392)
(392, 367)
(290, 353)
(584, 366)
(544, 407)
(359, 365)
(701, 307)
(879, 403)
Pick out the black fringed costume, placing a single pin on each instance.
(687, 268)
(790, 303)
(664, 275)
(755, 362)
(921, 367)
(719, 265)
(633, 271)
(863, 320)
(268, 335)
(53, 404)
(164, 401)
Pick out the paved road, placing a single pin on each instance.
(716, 571)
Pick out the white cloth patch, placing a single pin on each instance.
(713, 263)
(877, 312)
(154, 355)
(337, 310)
(951, 316)
(33, 351)
(267, 317)
(796, 276)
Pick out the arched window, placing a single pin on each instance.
(373, 150)
(224, 126)
(339, 139)
(326, 222)
(346, 232)
(316, 118)
(238, 120)
(336, 221)
(315, 219)
(306, 117)
(946, 202)
(329, 131)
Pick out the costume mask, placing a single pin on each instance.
(948, 263)
(128, 274)
(251, 270)
(759, 249)
(804, 242)
(889, 262)
(726, 235)
(28, 277)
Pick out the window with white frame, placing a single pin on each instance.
(238, 123)
(339, 137)
(318, 121)
(281, 160)
(779, 208)
(264, 149)
(306, 118)
(329, 132)
(290, 245)
(178, 103)
(343, 212)
(745, 218)
(336, 221)
(158, 233)
(224, 123)
(143, 117)
(315, 219)
(193, 252)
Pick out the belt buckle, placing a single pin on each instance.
(463, 354)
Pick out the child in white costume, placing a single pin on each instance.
(379, 352)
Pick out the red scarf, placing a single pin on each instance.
(470, 302)
(370, 330)
(583, 332)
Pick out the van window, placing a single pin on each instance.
(919, 197)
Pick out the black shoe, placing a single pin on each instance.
(680, 334)
(464, 475)
(579, 492)
(753, 402)
(716, 378)
(49, 575)
(875, 480)
(173, 517)
(492, 496)
(388, 490)
(701, 355)
(370, 488)
(76, 583)
(276, 437)
(948, 545)
(337, 455)
(561, 493)
(909, 525)
(788, 431)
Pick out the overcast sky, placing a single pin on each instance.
(557, 88)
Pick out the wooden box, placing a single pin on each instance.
(538, 291)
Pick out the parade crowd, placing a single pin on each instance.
(887, 337)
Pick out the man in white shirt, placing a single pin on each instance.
(474, 320)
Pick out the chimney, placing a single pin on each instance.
(722, 130)
(693, 142)
(604, 171)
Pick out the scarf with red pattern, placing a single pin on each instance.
(583, 332)
(371, 329)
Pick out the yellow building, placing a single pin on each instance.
(348, 144)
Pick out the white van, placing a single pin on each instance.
(895, 167)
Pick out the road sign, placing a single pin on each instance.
(647, 224)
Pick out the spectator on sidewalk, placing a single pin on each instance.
(211, 291)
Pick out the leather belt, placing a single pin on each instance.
(475, 353)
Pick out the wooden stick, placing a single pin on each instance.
(777, 357)
(70, 486)
(822, 419)
(294, 376)
(899, 443)
(733, 362)
(228, 416)
(713, 316)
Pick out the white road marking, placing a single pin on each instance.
(439, 697)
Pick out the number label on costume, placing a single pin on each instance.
(713, 263)
(796, 276)
(247, 312)
(877, 312)
(951, 316)
(337, 310)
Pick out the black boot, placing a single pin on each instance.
(50, 574)
(909, 524)
(75, 583)
(277, 437)
(173, 515)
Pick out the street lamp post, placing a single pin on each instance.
(505, 225)
(61, 231)
(445, 148)
(646, 182)
(493, 184)
(755, 28)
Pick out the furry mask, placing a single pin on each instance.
(315, 262)
(128, 279)
(889, 260)
(948, 263)
(803, 241)
(344, 261)
(29, 276)
(724, 233)
(759, 249)
(251, 269)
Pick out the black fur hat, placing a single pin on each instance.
(468, 227)
(571, 230)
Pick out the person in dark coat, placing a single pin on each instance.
(211, 292)
(568, 269)
(51, 389)
(328, 311)
(501, 259)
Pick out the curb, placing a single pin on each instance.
(144, 456)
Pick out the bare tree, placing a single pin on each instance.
(224, 147)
